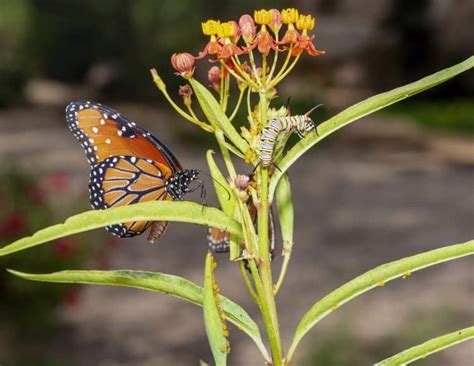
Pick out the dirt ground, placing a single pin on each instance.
(376, 192)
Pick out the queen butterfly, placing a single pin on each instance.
(128, 165)
(218, 240)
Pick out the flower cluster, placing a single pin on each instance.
(267, 31)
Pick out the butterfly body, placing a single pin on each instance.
(128, 164)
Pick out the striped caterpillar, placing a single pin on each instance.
(301, 125)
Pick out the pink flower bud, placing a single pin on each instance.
(236, 31)
(242, 182)
(185, 91)
(214, 77)
(183, 63)
(275, 23)
(247, 28)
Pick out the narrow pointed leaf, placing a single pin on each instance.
(158, 282)
(216, 116)
(215, 325)
(373, 279)
(285, 209)
(423, 350)
(363, 109)
(154, 211)
(221, 186)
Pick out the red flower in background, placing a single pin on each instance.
(58, 181)
(64, 247)
(13, 225)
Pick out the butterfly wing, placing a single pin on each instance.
(104, 132)
(218, 239)
(128, 164)
(124, 180)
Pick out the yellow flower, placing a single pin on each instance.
(305, 22)
(262, 16)
(226, 30)
(211, 27)
(289, 15)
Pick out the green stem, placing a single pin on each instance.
(237, 105)
(268, 305)
(287, 249)
(434, 345)
(225, 154)
(254, 68)
(283, 75)
(275, 60)
(249, 285)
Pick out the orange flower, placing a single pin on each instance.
(291, 35)
(213, 47)
(305, 43)
(230, 49)
(264, 42)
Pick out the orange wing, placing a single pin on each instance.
(124, 180)
(218, 239)
(104, 132)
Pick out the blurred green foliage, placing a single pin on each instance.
(15, 21)
(344, 347)
(450, 115)
(62, 40)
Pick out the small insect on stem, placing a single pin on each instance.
(302, 125)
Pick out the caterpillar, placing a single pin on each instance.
(301, 125)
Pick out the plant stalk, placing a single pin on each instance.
(264, 267)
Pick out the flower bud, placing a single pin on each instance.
(275, 23)
(183, 63)
(242, 182)
(186, 91)
(214, 77)
(235, 31)
(247, 28)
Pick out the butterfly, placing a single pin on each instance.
(218, 240)
(128, 165)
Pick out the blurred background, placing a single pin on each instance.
(395, 184)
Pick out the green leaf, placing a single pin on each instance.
(215, 326)
(434, 345)
(221, 186)
(376, 277)
(158, 282)
(285, 209)
(216, 116)
(150, 211)
(363, 109)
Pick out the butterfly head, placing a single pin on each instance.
(178, 185)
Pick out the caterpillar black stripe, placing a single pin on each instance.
(301, 124)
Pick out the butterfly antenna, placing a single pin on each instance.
(313, 109)
(215, 180)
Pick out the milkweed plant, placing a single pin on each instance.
(247, 61)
